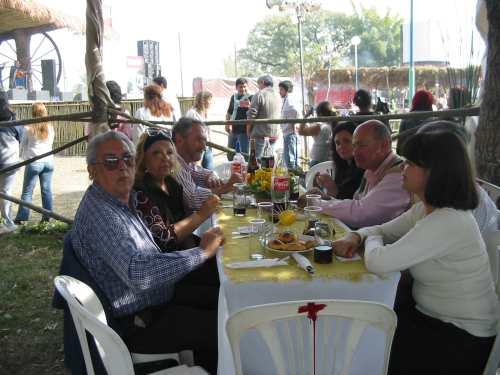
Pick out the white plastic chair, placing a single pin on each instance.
(288, 334)
(223, 171)
(494, 359)
(492, 241)
(324, 167)
(88, 316)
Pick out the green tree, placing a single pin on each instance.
(272, 46)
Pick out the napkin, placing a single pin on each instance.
(342, 259)
(258, 263)
(303, 262)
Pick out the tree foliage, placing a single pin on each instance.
(273, 45)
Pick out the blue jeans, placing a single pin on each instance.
(43, 170)
(231, 143)
(6, 183)
(290, 150)
(207, 160)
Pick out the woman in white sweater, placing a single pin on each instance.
(451, 327)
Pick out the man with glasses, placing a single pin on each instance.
(119, 252)
(198, 183)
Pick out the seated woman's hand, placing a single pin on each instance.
(347, 246)
(325, 181)
(211, 240)
(209, 206)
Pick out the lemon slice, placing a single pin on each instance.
(287, 217)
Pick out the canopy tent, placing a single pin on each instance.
(32, 17)
(19, 20)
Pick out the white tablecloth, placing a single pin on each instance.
(235, 296)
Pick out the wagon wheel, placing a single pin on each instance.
(42, 47)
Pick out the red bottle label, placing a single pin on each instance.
(236, 168)
(281, 184)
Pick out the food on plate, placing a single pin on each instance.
(276, 244)
(295, 246)
(287, 237)
(287, 241)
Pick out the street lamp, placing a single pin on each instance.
(301, 8)
(355, 41)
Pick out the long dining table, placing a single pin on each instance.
(240, 288)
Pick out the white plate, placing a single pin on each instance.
(301, 237)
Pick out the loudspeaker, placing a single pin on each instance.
(49, 76)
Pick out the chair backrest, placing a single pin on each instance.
(494, 359)
(324, 167)
(306, 337)
(492, 241)
(223, 171)
(88, 316)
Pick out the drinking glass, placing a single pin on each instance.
(312, 214)
(313, 200)
(240, 199)
(256, 238)
(265, 211)
(323, 233)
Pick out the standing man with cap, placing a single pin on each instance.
(266, 104)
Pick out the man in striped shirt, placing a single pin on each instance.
(198, 183)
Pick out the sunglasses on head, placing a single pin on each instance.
(152, 132)
(111, 162)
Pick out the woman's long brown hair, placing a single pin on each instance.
(155, 103)
(39, 131)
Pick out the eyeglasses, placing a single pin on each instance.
(111, 162)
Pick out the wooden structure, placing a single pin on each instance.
(20, 19)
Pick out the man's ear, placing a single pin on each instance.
(91, 170)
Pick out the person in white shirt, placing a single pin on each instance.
(452, 325)
(168, 96)
(37, 140)
(290, 139)
(154, 109)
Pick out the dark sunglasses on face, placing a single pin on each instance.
(111, 162)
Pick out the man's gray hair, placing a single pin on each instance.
(267, 80)
(184, 125)
(98, 140)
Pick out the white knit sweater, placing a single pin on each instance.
(447, 258)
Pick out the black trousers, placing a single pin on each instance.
(187, 322)
(425, 345)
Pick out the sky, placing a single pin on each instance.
(210, 31)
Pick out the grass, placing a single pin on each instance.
(30, 329)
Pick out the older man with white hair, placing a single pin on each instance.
(119, 252)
